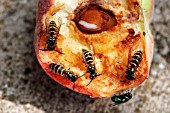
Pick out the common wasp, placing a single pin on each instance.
(52, 31)
(133, 65)
(88, 59)
(61, 71)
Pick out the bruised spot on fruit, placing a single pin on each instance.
(94, 19)
(131, 31)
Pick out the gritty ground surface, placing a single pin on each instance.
(25, 88)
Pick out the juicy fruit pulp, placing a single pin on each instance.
(112, 32)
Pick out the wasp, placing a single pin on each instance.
(52, 31)
(61, 71)
(134, 64)
(88, 59)
(122, 98)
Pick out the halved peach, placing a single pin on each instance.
(112, 32)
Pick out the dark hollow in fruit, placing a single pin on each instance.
(94, 19)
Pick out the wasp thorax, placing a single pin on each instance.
(94, 19)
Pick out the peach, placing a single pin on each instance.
(112, 32)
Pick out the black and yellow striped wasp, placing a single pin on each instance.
(133, 65)
(88, 59)
(52, 31)
(58, 69)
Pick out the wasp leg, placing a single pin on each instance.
(96, 75)
(52, 50)
(89, 82)
(73, 86)
(122, 80)
(138, 77)
(59, 51)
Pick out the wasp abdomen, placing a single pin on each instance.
(87, 56)
(136, 59)
(134, 63)
(52, 28)
(57, 68)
